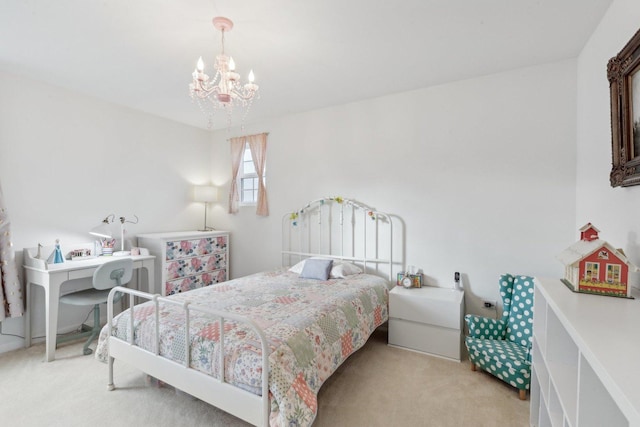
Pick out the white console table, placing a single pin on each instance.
(427, 319)
(52, 276)
(585, 371)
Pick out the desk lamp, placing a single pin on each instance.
(103, 230)
(205, 194)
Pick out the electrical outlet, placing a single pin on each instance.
(489, 303)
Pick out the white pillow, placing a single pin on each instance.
(298, 267)
(343, 269)
(340, 269)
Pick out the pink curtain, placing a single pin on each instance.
(258, 147)
(10, 289)
(237, 149)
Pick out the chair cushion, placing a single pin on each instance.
(502, 359)
(506, 353)
(87, 297)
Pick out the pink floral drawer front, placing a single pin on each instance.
(190, 266)
(195, 282)
(195, 247)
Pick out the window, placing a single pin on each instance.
(248, 179)
(591, 273)
(613, 273)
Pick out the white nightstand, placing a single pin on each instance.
(427, 319)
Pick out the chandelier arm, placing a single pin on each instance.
(205, 90)
(244, 97)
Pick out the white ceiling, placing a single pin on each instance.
(306, 54)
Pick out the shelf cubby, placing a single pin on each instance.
(556, 414)
(562, 363)
(596, 408)
(545, 421)
(541, 371)
(535, 398)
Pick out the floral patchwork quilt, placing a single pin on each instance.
(312, 326)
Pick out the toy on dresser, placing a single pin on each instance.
(593, 266)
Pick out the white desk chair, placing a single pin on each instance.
(108, 275)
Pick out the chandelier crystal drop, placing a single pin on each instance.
(224, 91)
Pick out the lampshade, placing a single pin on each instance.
(102, 230)
(205, 193)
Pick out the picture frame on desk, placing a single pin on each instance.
(81, 254)
(137, 251)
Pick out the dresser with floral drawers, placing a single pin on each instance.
(188, 260)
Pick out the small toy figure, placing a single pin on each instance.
(56, 256)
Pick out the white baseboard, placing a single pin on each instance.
(13, 345)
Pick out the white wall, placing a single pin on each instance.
(613, 210)
(482, 172)
(67, 161)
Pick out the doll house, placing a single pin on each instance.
(594, 266)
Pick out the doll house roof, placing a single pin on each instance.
(588, 226)
(583, 248)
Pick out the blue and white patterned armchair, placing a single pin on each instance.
(502, 347)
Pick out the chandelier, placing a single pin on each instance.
(224, 91)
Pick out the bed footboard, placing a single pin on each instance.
(215, 391)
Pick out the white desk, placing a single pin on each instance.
(51, 280)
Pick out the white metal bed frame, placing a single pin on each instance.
(215, 391)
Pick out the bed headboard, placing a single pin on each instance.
(344, 229)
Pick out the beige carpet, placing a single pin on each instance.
(377, 386)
